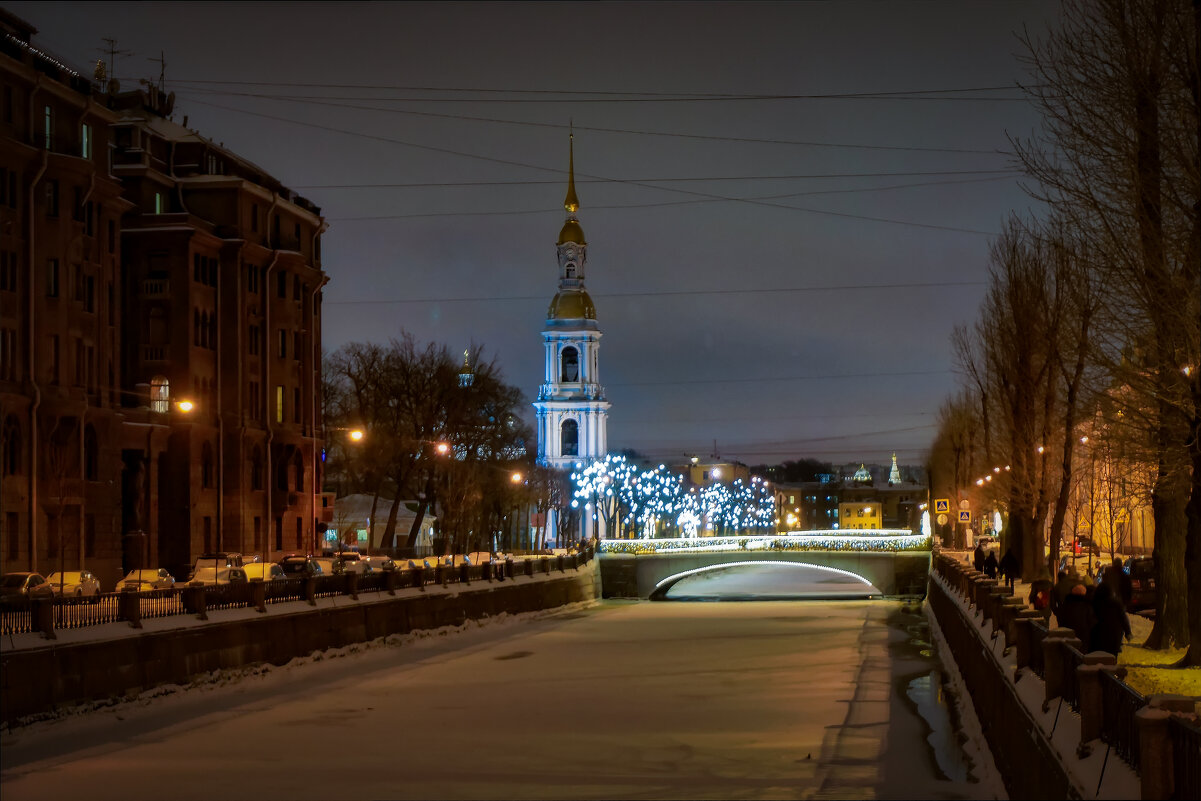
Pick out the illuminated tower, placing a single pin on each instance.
(572, 411)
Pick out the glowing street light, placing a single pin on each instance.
(442, 448)
(516, 478)
(355, 435)
(185, 405)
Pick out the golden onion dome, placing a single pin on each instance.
(571, 232)
(571, 305)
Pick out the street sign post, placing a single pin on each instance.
(965, 515)
(942, 520)
(942, 505)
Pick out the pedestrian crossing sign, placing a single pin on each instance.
(942, 505)
(965, 515)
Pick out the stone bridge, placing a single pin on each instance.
(639, 574)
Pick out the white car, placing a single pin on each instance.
(352, 562)
(380, 562)
(76, 583)
(218, 575)
(148, 579)
(264, 571)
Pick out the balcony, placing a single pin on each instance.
(155, 288)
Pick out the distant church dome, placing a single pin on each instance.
(863, 474)
(571, 232)
(571, 305)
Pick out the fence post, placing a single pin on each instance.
(392, 580)
(310, 590)
(258, 594)
(508, 567)
(1023, 634)
(41, 611)
(1154, 753)
(1053, 662)
(464, 577)
(351, 587)
(1088, 694)
(129, 607)
(419, 578)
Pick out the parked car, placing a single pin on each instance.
(74, 583)
(1085, 546)
(330, 566)
(353, 562)
(295, 565)
(1142, 582)
(264, 571)
(216, 560)
(153, 578)
(380, 562)
(18, 588)
(218, 575)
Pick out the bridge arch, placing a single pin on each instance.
(659, 593)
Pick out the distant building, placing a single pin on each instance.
(703, 472)
(854, 501)
(140, 265)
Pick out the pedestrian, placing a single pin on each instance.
(990, 565)
(1009, 567)
(1063, 586)
(1111, 622)
(978, 558)
(1040, 597)
(1076, 613)
(1119, 582)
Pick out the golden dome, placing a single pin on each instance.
(571, 232)
(571, 305)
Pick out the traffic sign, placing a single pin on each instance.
(965, 515)
(942, 505)
(942, 520)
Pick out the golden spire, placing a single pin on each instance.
(571, 203)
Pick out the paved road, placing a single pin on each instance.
(618, 700)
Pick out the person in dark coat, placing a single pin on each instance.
(1076, 613)
(1009, 567)
(990, 565)
(1063, 588)
(1111, 622)
(978, 558)
(1119, 582)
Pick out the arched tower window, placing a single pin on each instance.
(570, 270)
(160, 394)
(569, 438)
(11, 463)
(569, 367)
(206, 465)
(91, 455)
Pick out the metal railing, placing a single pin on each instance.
(1119, 702)
(75, 613)
(1070, 659)
(1186, 746)
(1038, 633)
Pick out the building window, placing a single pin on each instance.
(52, 198)
(299, 533)
(55, 356)
(279, 403)
(91, 455)
(206, 466)
(85, 140)
(160, 394)
(52, 278)
(10, 463)
(256, 471)
(8, 354)
(295, 404)
(283, 344)
(48, 127)
(569, 438)
(160, 203)
(89, 294)
(256, 402)
(281, 285)
(252, 278)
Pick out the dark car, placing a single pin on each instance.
(296, 565)
(1085, 545)
(217, 561)
(1142, 582)
(17, 588)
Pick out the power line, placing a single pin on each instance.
(776, 379)
(512, 163)
(797, 177)
(595, 129)
(662, 293)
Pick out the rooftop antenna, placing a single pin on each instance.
(112, 52)
(162, 71)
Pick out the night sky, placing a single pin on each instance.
(789, 292)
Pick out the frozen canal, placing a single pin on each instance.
(775, 699)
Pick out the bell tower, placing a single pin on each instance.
(571, 407)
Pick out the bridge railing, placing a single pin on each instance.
(46, 616)
(885, 540)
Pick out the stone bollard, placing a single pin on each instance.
(508, 567)
(562, 561)
(1053, 662)
(310, 590)
(1092, 706)
(419, 578)
(392, 581)
(464, 576)
(980, 596)
(195, 600)
(258, 594)
(1154, 753)
(529, 567)
(129, 607)
(351, 585)
(1022, 633)
(1010, 608)
(41, 614)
